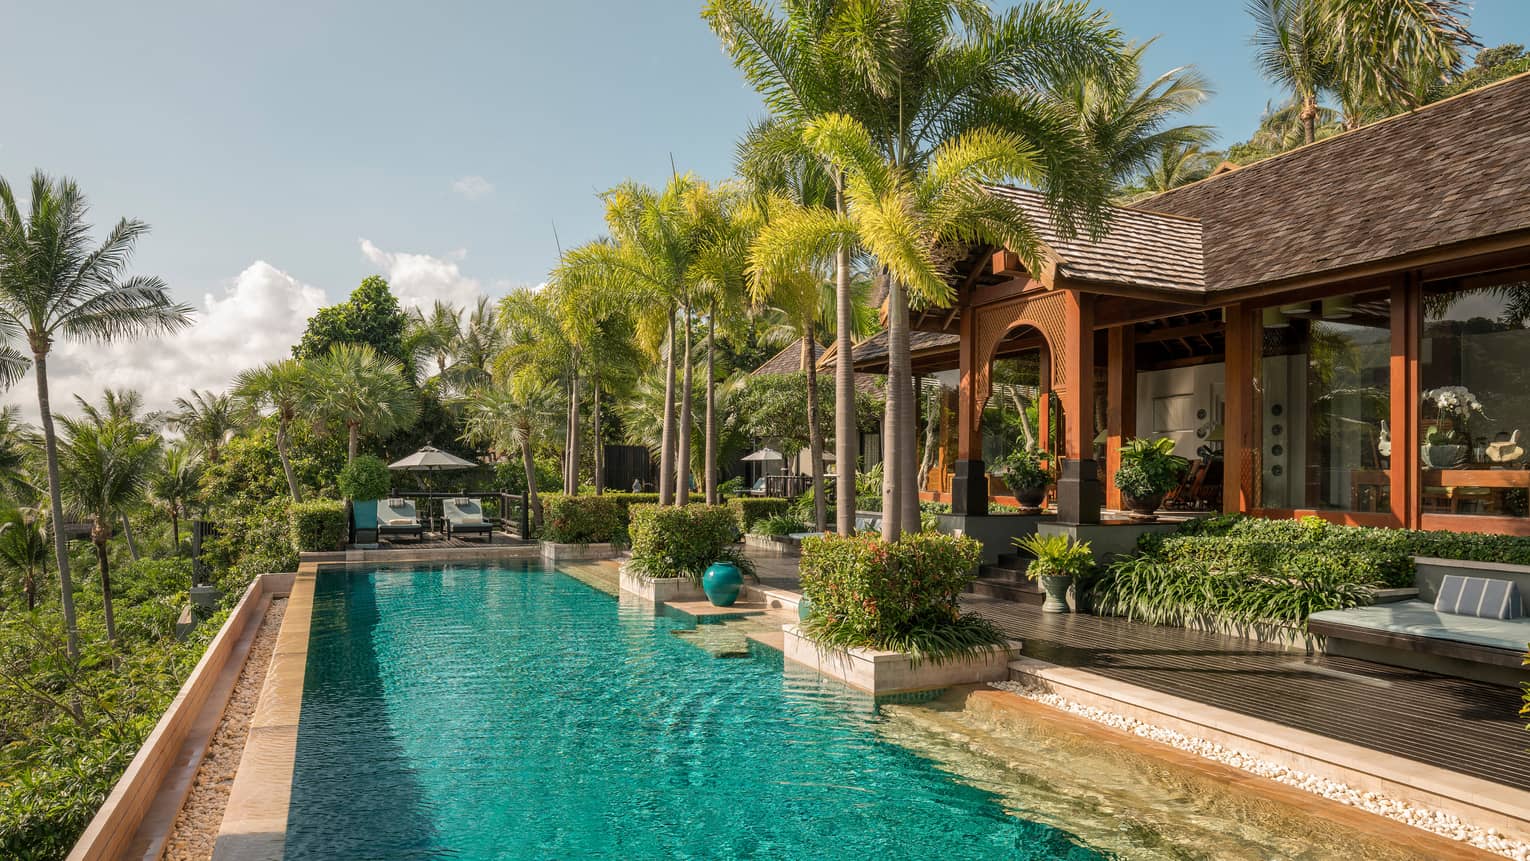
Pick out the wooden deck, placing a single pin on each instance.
(1464, 726)
(434, 540)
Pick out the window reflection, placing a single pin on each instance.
(1475, 399)
(1325, 383)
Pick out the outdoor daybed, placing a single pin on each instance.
(464, 517)
(397, 517)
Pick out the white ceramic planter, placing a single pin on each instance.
(879, 673)
(661, 591)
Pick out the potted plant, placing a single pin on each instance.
(1059, 559)
(1024, 472)
(1149, 469)
(364, 481)
(1447, 443)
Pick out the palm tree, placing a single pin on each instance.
(53, 285)
(1171, 167)
(18, 442)
(537, 346)
(209, 420)
(24, 549)
(281, 387)
(107, 467)
(352, 385)
(175, 483)
(434, 336)
(479, 342)
(513, 416)
(1291, 50)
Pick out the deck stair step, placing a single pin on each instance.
(1007, 589)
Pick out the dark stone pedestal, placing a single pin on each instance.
(1079, 494)
(969, 488)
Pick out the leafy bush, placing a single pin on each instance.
(1149, 467)
(732, 487)
(751, 509)
(1023, 469)
(683, 542)
(583, 519)
(780, 524)
(317, 525)
(364, 478)
(252, 539)
(899, 596)
(1056, 556)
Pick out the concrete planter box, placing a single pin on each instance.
(576, 552)
(879, 673)
(661, 591)
(772, 543)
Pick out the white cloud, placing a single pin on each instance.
(420, 279)
(473, 187)
(259, 317)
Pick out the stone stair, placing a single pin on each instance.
(1005, 579)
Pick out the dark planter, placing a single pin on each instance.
(1056, 586)
(1143, 508)
(1030, 499)
(722, 582)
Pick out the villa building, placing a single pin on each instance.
(1342, 331)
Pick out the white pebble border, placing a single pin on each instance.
(1436, 821)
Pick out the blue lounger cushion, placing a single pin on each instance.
(1479, 596)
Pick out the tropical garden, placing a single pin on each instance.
(884, 122)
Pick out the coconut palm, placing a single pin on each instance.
(55, 284)
(174, 484)
(473, 353)
(209, 420)
(513, 416)
(24, 549)
(1292, 50)
(281, 387)
(353, 386)
(126, 404)
(1171, 167)
(433, 336)
(106, 468)
(18, 444)
(537, 346)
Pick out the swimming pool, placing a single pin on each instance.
(512, 713)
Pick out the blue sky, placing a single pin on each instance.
(283, 151)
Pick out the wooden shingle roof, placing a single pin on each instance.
(1140, 249)
(1454, 171)
(788, 361)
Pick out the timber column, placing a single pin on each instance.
(1079, 494)
(969, 481)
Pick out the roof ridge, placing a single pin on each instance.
(1344, 134)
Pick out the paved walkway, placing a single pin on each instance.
(1460, 725)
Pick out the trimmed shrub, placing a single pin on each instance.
(683, 542)
(364, 478)
(752, 509)
(777, 525)
(583, 519)
(899, 596)
(317, 525)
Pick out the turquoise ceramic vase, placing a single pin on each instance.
(722, 583)
(804, 608)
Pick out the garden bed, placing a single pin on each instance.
(879, 672)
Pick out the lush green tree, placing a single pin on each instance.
(18, 444)
(282, 387)
(513, 417)
(24, 549)
(55, 284)
(106, 468)
(354, 386)
(250, 471)
(209, 420)
(537, 347)
(370, 316)
(1490, 64)
(174, 485)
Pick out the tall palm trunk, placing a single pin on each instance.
(175, 527)
(815, 433)
(353, 440)
(845, 431)
(103, 559)
(598, 445)
(710, 457)
(897, 418)
(286, 459)
(533, 498)
(1309, 117)
(667, 436)
(127, 533)
(572, 480)
(56, 505)
(683, 481)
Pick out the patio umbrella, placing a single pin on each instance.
(763, 455)
(431, 460)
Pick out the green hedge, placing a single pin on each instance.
(366, 477)
(751, 509)
(317, 525)
(683, 542)
(900, 596)
(583, 519)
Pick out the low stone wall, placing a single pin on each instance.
(660, 591)
(116, 823)
(880, 673)
(577, 552)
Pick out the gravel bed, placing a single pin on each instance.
(196, 826)
(1436, 821)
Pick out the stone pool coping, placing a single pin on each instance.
(136, 818)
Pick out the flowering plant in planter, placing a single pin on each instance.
(899, 596)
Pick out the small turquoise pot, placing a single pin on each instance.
(804, 608)
(722, 583)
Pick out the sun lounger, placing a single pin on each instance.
(464, 517)
(397, 517)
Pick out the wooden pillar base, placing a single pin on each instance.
(969, 488)
(1079, 494)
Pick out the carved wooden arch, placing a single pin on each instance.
(1045, 312)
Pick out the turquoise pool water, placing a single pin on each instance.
(512, 714)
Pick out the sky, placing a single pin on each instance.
(283, 151)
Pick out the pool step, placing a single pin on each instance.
(717, 640)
